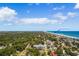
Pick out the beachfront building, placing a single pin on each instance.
(53, 53)
(39, 46)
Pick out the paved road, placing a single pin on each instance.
(23, 53)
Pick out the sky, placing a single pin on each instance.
(39, 16)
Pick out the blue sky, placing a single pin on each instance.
(39, 16)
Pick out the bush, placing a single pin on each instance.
(33, 52)
(19, 47)
(7, 51)
(59, 52)
(52, 38)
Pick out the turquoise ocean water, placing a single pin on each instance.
(74, 34)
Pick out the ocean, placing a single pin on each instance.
(74, 34)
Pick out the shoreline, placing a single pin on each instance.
(63, 35)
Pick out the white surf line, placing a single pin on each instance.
(63, 35)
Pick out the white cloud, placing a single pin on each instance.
(8, 24)
(6, 14)
(76, 6)
(55, 8)
(72, 14)
(36, 21)
(60, 16)
(59, 8)
(63, 28)
(64, 17)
